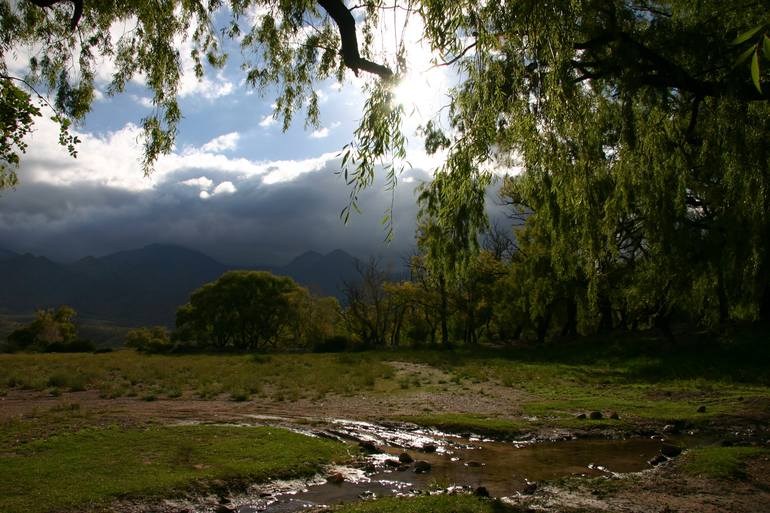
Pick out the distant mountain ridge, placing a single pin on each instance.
(143, 286)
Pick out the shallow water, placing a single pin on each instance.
(503, 468)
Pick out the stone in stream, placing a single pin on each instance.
(670, 451)
(481, 491)
(225, 508)
(670, 429)
(429, 447)
(474, 463)
(369, 447)
(405, 458)
(421, 467)
(336, 478)
(614, 415)
(595, 415)
(581, 416)
(702, 409)
(657, 460)
(530, 488)
(393, 463)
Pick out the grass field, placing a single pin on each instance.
(71, 451)
(94, 466)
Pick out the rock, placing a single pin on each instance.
(657, 460)
(670, 429)
(474, 463)
(481, 491)
(336, 478)
(702, 409)
(403, 467)
(581, 416)
(530, 488)
(670, 451)
(405, 458)
(595, 415)
(421, 467)
(429, 447)
(369, 447)
(614, 415)
(390, 462)
(727, 443)
(225, 508)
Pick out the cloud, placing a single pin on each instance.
(267, 121)
(222, 143)
(201, 182)
(320, 133)
(261, 223)
(324, 131)
(144, 101)
(224, 188)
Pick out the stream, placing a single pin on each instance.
(466, 462)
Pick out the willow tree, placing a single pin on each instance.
(643, 148)
(642, 145)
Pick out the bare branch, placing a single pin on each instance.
(350, 53)
(77, 12)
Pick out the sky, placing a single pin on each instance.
(235, 187)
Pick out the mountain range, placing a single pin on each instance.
(143, 286)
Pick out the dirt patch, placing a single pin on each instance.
(664, 489)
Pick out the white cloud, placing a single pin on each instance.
(324, 131)
(204, 195)
(204, 183)
(112, 159)
(287, 170)
(320, 133)
(267, 121)
(223, 142)
(144, 101)
(225, 188)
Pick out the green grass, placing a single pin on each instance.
(478, 424)
(200, 376)
(719, 462)
(429, 504)
(92, 467)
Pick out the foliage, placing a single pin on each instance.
(51, 331)
(254, 310)
(156, 339)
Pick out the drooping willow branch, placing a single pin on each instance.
(77, 13)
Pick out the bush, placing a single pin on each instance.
(150, 340)
(333, 344)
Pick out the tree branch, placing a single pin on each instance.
(77, 13)
(349, 51)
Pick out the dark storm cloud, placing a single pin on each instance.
(256, 224)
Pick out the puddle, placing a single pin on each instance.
(503, 468)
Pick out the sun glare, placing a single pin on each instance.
(421, 94)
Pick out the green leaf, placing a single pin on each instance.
(745, 55)
(766, 46)
(755, 71)
(746, 35)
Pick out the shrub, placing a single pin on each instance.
(150, 340)
(333, 344)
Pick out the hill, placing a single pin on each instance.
(143, 286)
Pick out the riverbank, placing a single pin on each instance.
(713, 406)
